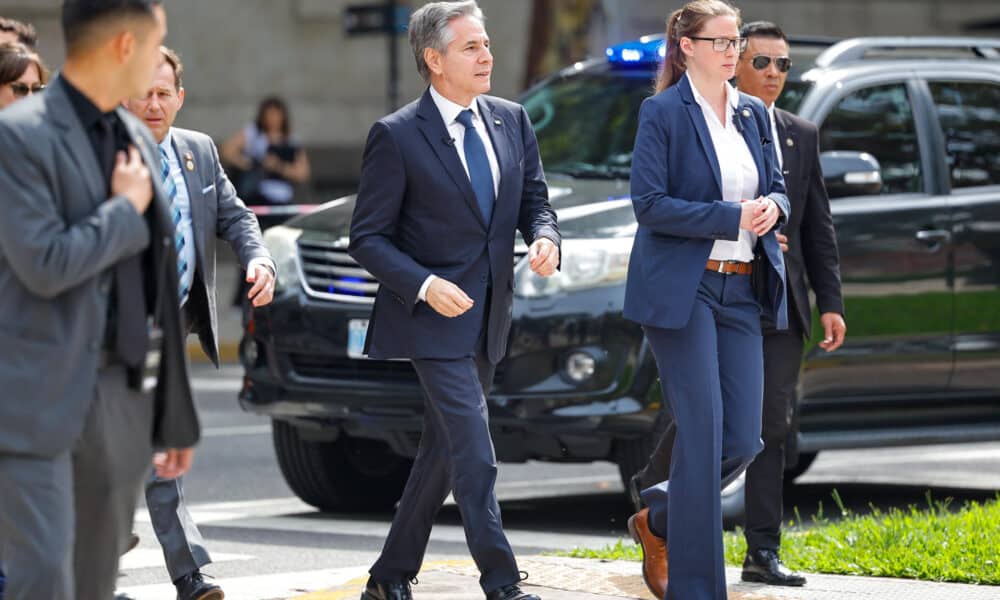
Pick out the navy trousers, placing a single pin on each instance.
(456, 455)
(712, 372)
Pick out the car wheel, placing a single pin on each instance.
(346, 475)
(631, 455)
(805, 461)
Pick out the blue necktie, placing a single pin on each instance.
(175, 214)
(479, 166)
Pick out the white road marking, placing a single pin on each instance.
(260, 587)
(144, 558)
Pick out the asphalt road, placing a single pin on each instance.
(266, 542)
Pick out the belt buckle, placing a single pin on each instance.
(722, 267)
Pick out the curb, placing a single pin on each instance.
(229, 352)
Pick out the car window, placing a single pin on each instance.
(970, 119)
(878, 120)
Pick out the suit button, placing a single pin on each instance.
(94, 345)
(482, 278)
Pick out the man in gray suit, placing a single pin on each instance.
(87, 273)
(207, 207)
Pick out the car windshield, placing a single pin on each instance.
(586, 122)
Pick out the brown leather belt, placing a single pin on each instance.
(729, 267)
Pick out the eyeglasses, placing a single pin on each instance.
(23, 89)
(761, 61)
(722, 44)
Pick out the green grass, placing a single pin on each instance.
(934, 543)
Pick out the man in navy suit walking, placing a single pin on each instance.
(445, 182)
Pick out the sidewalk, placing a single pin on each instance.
(555, 578)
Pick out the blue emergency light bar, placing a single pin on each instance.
(647, 51)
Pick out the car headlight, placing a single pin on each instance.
(585, 264)
(282, 241)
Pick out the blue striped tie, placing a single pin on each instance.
(170, 187)
(480, 174)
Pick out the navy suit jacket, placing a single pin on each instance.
(416, 215)
(677, 197)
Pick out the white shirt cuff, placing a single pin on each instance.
(422, 294)
(260, 260)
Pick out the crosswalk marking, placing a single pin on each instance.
(261, 587)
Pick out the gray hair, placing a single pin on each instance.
(429, 28)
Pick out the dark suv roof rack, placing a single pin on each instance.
(881, 48)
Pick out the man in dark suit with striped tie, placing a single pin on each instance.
(203, 206)
(445, 183)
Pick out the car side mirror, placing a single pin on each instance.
(850, 173)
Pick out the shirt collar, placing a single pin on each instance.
(732, 96)
(167, 145)
(450, 110)
(85, 110)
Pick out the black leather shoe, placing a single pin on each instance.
(384, 590)
(635, 493)
(764, 566)
(510, 592)
(193, 587)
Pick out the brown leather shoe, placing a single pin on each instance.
(654, 553)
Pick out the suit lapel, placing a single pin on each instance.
(432, 127)
(194, 183)
(787, 144)
(701, 128)
(76, 141)
(501, 137)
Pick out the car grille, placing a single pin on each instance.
(327, 367)
(329, 272)
(319, 366)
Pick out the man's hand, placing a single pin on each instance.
(262, 291)
(834, 329)
(131, 179)
(765, 215)
(447, 299)
(782, 241)
(543, 256)
(173, 463)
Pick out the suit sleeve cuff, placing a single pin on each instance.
(422, 294)
(262, 261)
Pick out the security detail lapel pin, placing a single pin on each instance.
(497, 122)
(789, 142)
(746, 113)
(189, 161)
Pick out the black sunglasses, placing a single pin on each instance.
(22, 89)
(760, 62)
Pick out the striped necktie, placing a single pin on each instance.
(170, 187)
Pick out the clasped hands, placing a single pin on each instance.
(760, 215)
(448, 300)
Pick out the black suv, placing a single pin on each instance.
(910, 135)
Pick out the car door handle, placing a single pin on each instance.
(933, 239)
(934, 236)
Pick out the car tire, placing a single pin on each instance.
(631, 455)
(346, 475)
(805, 461)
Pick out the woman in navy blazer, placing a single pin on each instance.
(708, 195)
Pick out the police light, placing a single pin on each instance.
(647, 52)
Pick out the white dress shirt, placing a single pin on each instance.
(186, 224)
(449, 113)
(737, 168)
(774, 138)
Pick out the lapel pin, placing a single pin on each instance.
(497, 122)
(789, 142)
(746, 113)
(189, 161)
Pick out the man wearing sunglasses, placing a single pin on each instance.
(810, 247)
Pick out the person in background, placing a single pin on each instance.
(12, 30)
(207, 208)
(271, 161)
(22, 73)
(706, 267)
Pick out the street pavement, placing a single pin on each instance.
(269, 545)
